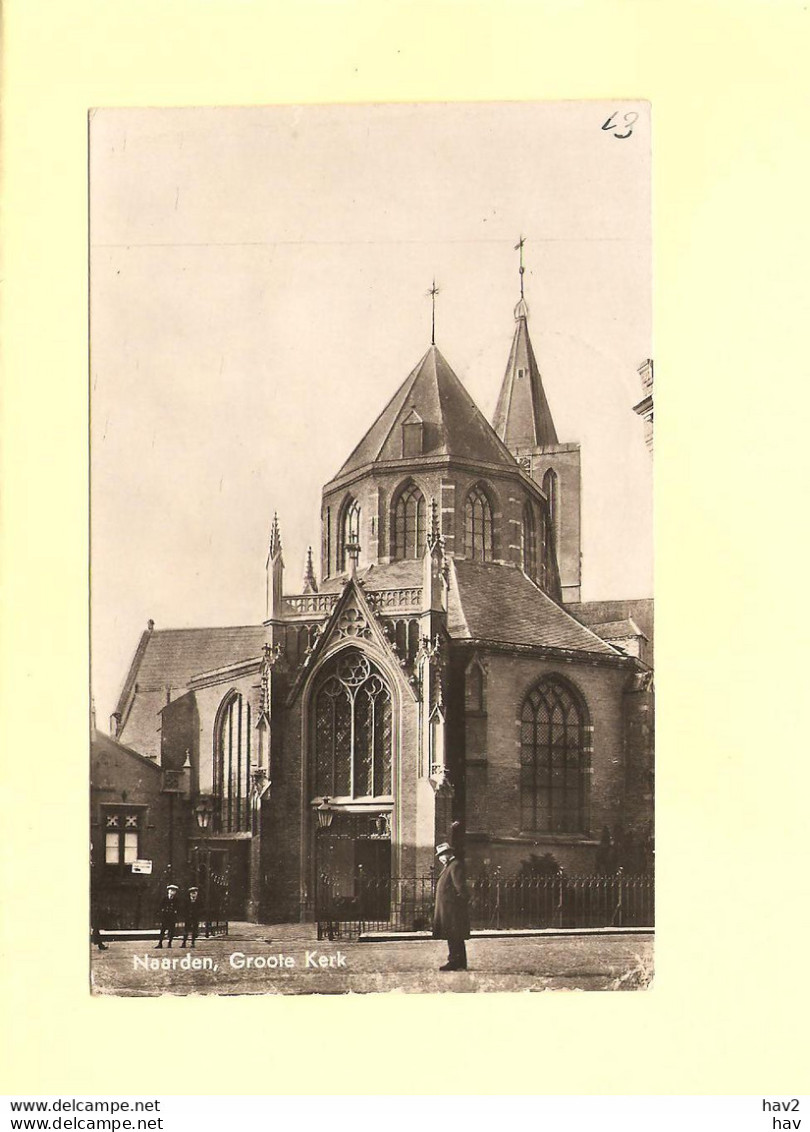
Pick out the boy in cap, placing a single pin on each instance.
(451, 917)
(168, 914)
(192, 924)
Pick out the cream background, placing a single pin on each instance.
(728, 89)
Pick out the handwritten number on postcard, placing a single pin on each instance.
(630, 119)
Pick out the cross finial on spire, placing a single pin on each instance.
(519, 248)
(433, 292)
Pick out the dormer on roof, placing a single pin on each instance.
(413, 434)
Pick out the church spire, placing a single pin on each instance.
(275, 571)
(522, 416)
(310, 584)
(274, 549)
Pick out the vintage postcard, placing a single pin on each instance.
(371, 549)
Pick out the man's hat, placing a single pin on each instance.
(443, 847)
(194, 888)
(176, 887)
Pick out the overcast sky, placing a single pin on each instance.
(258, 281)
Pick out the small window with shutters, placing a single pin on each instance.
(122, 835)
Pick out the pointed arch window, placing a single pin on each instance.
(349, 531)
(554, 759)
(551, 490)
(232, 765)
(474, 688)
(544, 574)
(475, 713)
(528, 538)
(409, 530)
(478, 525)
(353, 730)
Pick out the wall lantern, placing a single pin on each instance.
(203, 812)
(325, 814)
(260, 781)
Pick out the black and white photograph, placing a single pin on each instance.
(371, 549)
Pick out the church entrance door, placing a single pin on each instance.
(354, 867)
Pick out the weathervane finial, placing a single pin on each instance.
(519, 248)
(433, 292)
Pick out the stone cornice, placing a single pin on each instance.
(229, 672)
(432, 463)
(568, 656)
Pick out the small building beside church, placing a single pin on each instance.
(439, 665)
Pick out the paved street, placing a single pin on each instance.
(287, 959)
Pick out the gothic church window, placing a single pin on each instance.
(478, 525)
(529, 540)
(475, 713)
(553, 759)
(232, 765)
(349, 531)
(544, 574)
(353, 730)
(474, 688)
(409, 523)
(551, 490)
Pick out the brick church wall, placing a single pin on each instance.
(640, 757)
(493, 787)
(281, 819)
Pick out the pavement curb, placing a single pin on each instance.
(505, 933)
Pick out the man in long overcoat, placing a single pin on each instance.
(451, 916)
(168, 911)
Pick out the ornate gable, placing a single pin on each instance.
(353, 620)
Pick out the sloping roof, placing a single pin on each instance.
(401, 574)
(522, 415)
(640, 610)
(494, 602)
(105, 744)
(169, 658)
(452, 422)
(616, 630)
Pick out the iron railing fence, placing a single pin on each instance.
(405, 904)
(137, 909)
(562, 902)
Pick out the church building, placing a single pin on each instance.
(438, 665)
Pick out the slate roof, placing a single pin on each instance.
(452, 422)
(495, 602)
(169, 658)
(601, 613)
(522, 415)
(101, 744)
(616, 630)
(381, 576)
